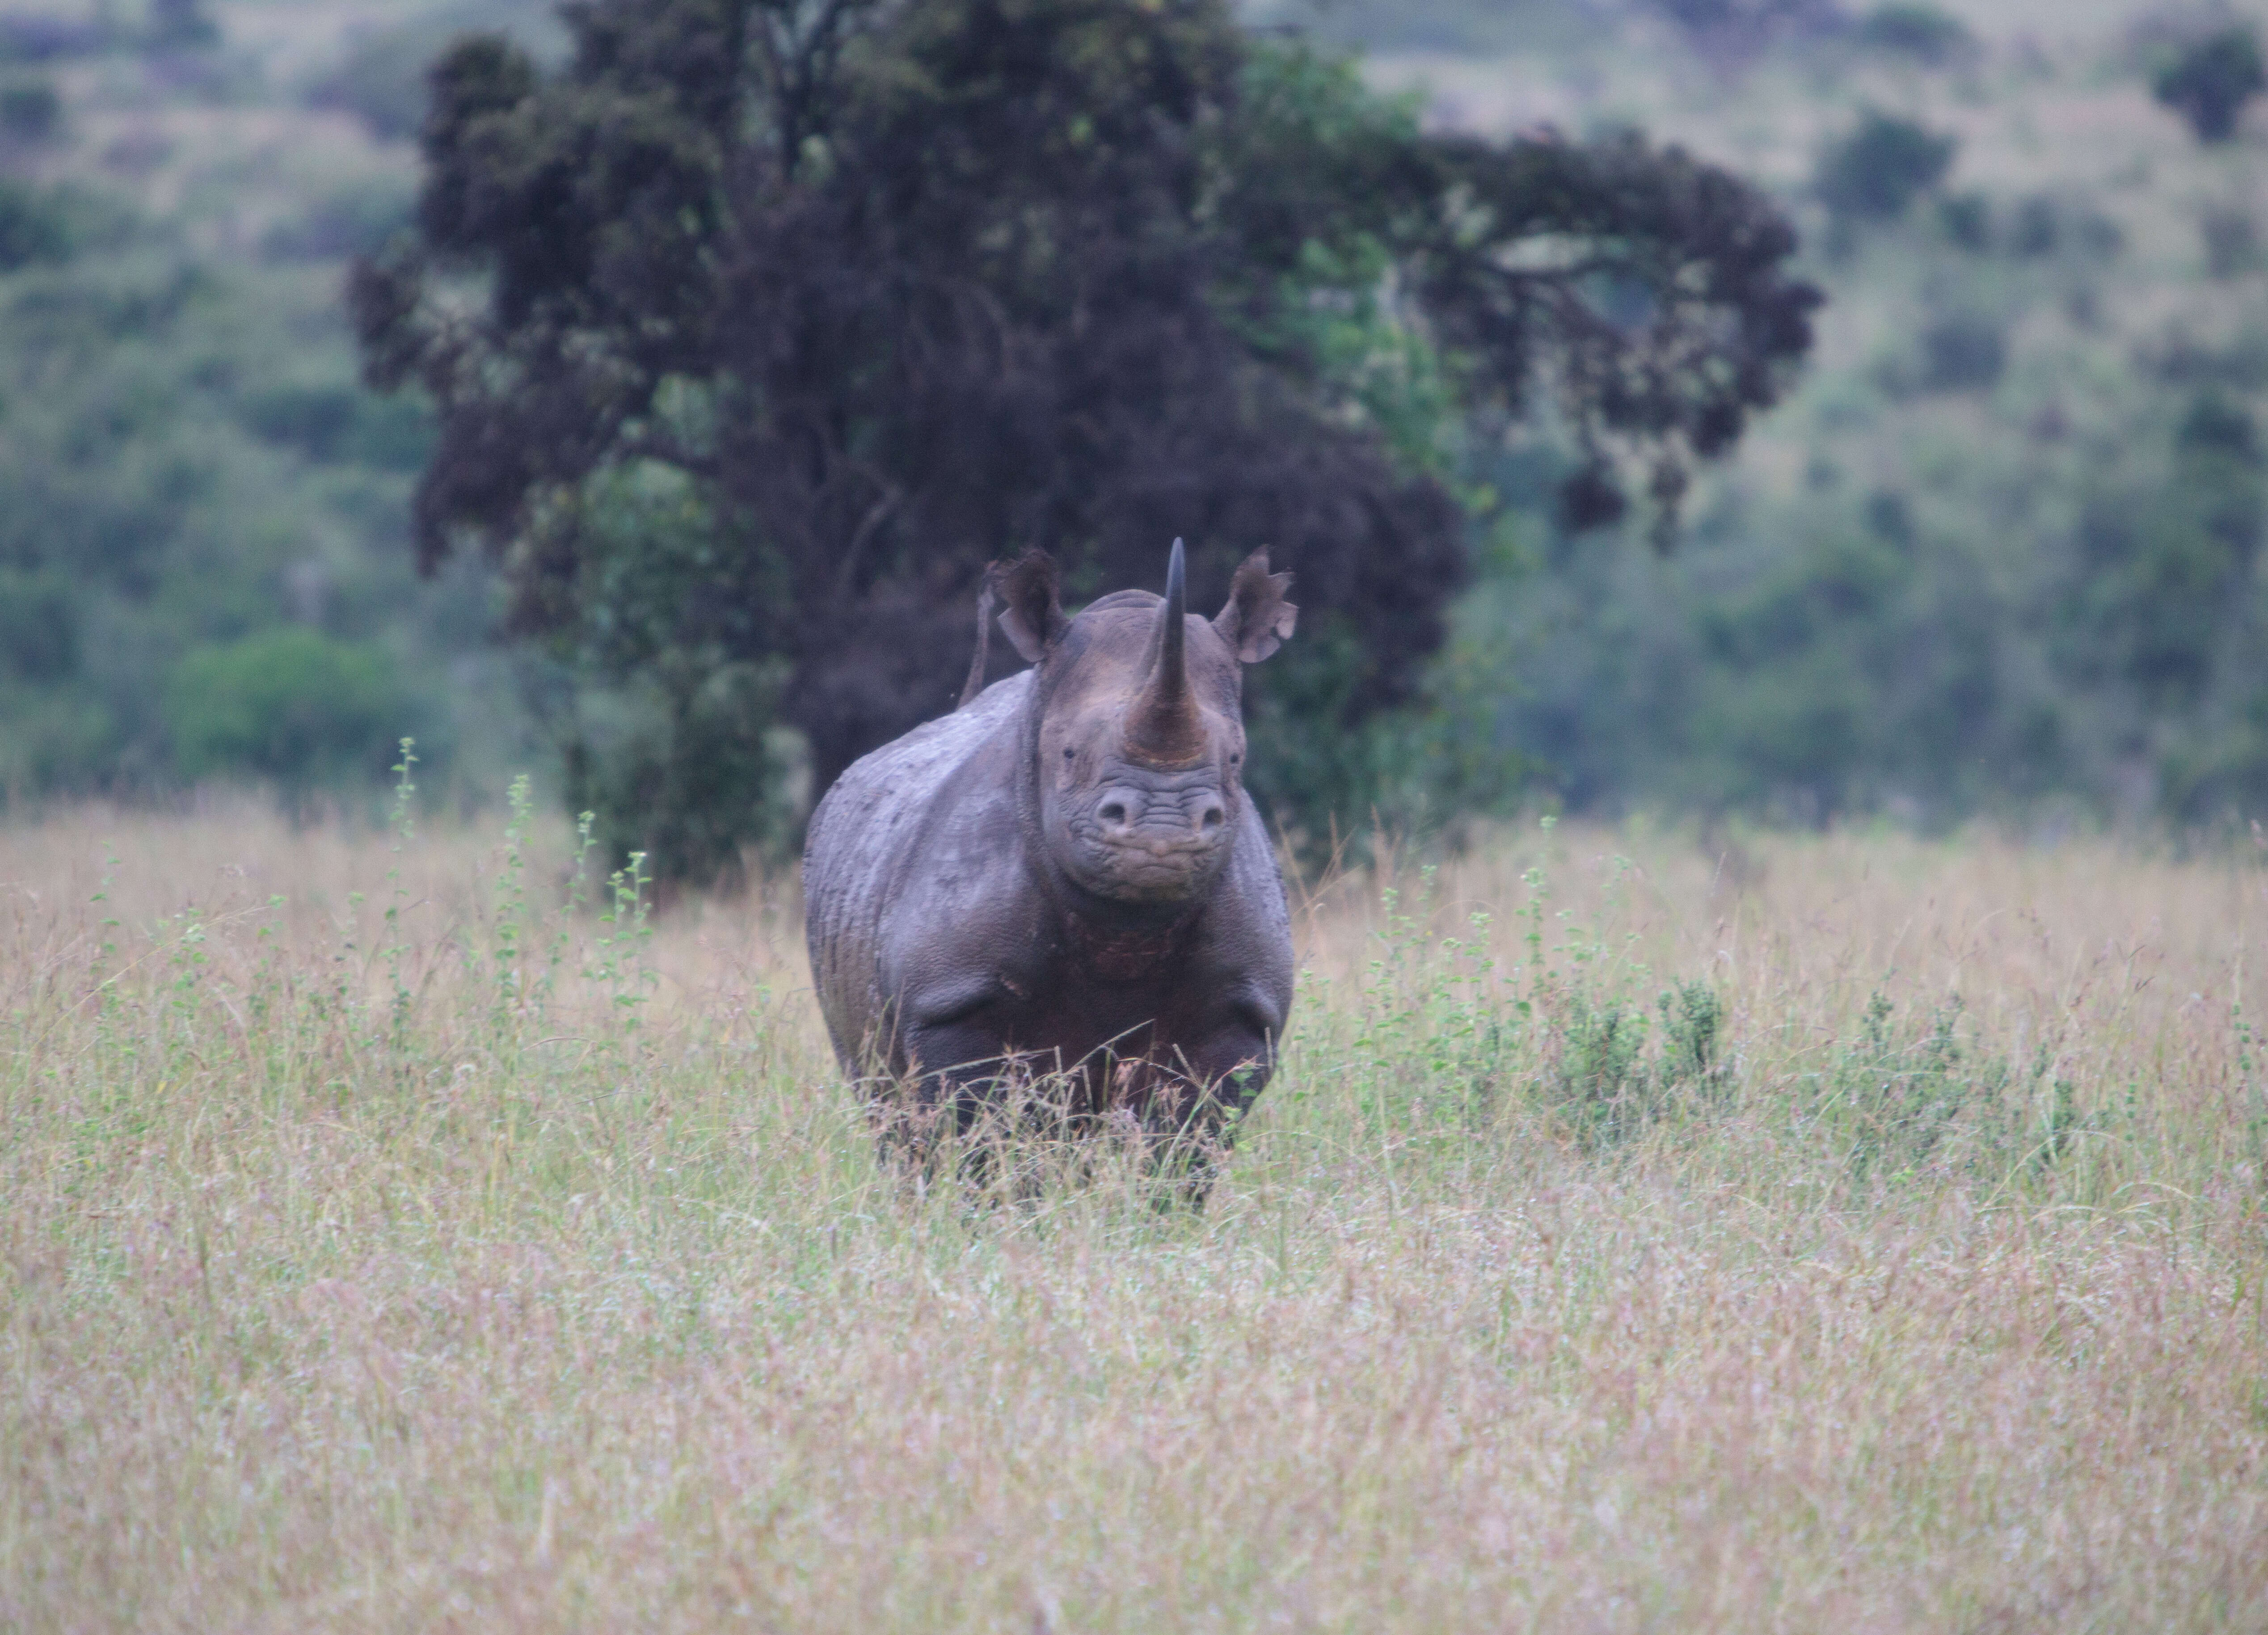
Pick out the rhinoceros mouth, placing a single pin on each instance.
(1145, 870)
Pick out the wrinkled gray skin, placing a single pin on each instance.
(1066, 870)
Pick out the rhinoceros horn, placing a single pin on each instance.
(1164, 727)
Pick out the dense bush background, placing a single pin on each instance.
(1999, 554)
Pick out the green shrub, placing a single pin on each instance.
(35, 227)
(2154, 601)
(1967, 220)
(55, 737)
(2038, 228)
(1608, 1077)
(382, 81)
(1916, 30)
(692, 771)
(289, 705)
(37, 38)
(1963, 352)
(30, 110)
(39, 625)
(677, 748)
(2232, 242)
(177, 25)
(317, 420)
(1874, 173)
(354, 221)
(2209, 82)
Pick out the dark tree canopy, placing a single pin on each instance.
(758, 330)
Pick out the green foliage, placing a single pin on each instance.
(1569, 1035)
(1905, 1101)
(1999, 556)
(1881, 167)
(2209, 81)
(35, 226)
(31, 110)
(1963, 352)
(382, 81)
(1453, 1043)
(39, 617)
(45, 38)
(1612, 1072)
(1916, 29)
(685, 765)
(187, 461)
(2160, 572)
(1738, 30)
(2232, 242)
(1967, 219)
(289, 705)
(350, 221)
(382, 78)
(670, 742)
(1923, 654)
(176, 23)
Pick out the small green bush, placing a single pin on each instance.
(1874, 173)
(1609, 1078)
(2038, 227)
(35, 227)
(30, 110)
(382, 81)
(39, 625)
(37, 38)
(1963, 352)
(691, 772)
(2232, 241)
(2209, 82)
(1916, 30)
(178, 24)
(2157, 588)
(1967, 220)
(354, 221)
(290, 705)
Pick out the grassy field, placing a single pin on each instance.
(1778, 1233)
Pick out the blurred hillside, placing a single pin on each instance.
(1999, 552)
(202, 572)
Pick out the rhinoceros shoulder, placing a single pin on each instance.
(867, 834)
(889, 786)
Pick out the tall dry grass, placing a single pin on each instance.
(1844, 1234)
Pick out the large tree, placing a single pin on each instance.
(760, 326)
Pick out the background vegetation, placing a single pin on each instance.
(1998, 553)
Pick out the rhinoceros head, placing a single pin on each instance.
(1138, 751)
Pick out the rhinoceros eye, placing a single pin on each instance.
(1070, 754)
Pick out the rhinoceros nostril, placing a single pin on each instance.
(1114, 813)
(1212, 818)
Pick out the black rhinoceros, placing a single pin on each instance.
(1065, 874)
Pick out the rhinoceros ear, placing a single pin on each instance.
(1033, 615)
(1257, 620)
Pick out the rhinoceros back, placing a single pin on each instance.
(862, 838)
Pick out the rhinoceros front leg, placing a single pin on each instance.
(956, 1062)
(1186, 1103)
